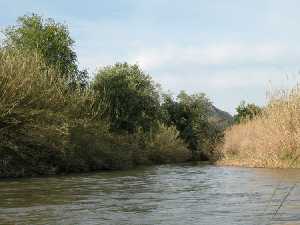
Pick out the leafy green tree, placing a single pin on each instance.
(127, 98)
(246, 112)
(189, 114)
(50, 39)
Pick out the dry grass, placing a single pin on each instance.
(270, 140)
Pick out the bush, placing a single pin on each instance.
(246, 112)
(167, 147)
(93, 147)
(36, 111)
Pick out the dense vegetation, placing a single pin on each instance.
(54, 120)
(50, 39)
(191, 115)
(246, 112)
(269, 137)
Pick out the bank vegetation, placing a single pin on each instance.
(270, 137)
(56, 118)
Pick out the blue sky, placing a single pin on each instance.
(232, 50)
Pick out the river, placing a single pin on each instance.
(170, 194)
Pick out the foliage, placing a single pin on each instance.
(117, 121)
(166, 146)
(93, 147)
(128, 98)
(37, 111)
(50, 39)
(190, 115)
(47, 128)
(246, 112)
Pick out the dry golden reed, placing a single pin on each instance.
(269, 140)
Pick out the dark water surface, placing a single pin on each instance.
(170, 194)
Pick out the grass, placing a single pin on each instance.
(270, 140)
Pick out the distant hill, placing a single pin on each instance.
(221, 118)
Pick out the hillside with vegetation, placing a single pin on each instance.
(55, 119)
(221, 118)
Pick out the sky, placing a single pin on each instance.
(232, 50)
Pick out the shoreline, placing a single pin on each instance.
(80, 173)
(257, 164)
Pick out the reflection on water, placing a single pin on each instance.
(170, 194)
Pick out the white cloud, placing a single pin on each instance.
(213, 55)
(226, 72)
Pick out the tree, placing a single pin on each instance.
(189, 114)
(50, 39)
(246, 112)
(127, 98)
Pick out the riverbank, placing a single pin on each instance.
(48, 127)
(56, 118)
(271, 139)
(248, 163)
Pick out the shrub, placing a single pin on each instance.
(246, 112)
(36, 107)
(93, 147)
(166, 146)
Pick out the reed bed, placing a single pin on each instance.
(271, 139)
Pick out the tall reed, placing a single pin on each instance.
(269, 140)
